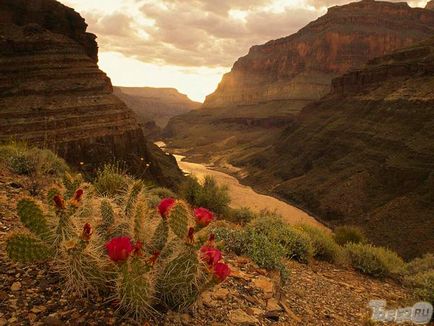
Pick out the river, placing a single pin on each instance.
(245, 196)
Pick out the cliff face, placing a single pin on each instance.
(53, 94)
(301, 66)
(364, 154)
(155, 104)
(430, 5)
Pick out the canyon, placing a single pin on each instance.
(52, 94)
(356, 147)
(155, 106)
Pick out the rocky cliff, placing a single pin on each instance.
(364, 154)
(155, 104)
(430, 5)
(53, 94)
(301, 66)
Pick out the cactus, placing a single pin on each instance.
(178, 284)
(132, 198)
(71, 184)
(107, 217)
(121, 230)
(33, 218)
(134, 289)
(25, 248)
(160, 236)
(51, 194)
(139, 219)
(179, 220)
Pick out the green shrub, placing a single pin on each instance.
(324, 246)
(423, 264)
(423, 284)
(111, 180)
(241, 215)
(375, 261)
(37, 162)
(162, 192)
(234, 240)
(209, 194)
(296, 245)
(349, 234)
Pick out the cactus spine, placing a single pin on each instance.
(25, 248)
(179, 219)
(33, 218)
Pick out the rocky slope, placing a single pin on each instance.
(53, 94)
(430, 5)
(155, 104)
(301, 66)
(267, 88)
(317, 294)
(364, 154)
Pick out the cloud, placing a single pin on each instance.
(194, 33)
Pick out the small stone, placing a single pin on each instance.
(240, 317)
(186, 319)
(32, 317)
(52, 321)
(16, 286)
(265, 285)
(38, 309)
(208, 301)
(220, 294)
(273, 305)
(272, 315)
(3, 296)
(3, 321)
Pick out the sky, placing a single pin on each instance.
(188, 44)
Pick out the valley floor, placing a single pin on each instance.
(316, 294)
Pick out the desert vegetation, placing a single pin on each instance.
(152, 249)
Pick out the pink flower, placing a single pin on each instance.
(87, 232)
(210, 255)
(221, 271)
(203, 216)
(119, 249)
(78, 194)
(165, 205)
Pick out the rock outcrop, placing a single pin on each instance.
(364, 154)
(430, 5)
(155, 104)
(53, 94)
(301, 66)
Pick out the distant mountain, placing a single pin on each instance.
(155, 104)
(364, 154)
(268, 87)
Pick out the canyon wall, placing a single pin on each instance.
(364, 154)
(301, 66)
(52, 93)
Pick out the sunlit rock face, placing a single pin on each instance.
(53, 94)
(301, 66)
(430, 5)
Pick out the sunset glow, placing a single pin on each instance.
(188, 44)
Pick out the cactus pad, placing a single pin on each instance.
(33, 218)
(178, 219)
(26, 248)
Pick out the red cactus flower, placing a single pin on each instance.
(154, 257)
(119, 249)
(221, 271)
(190, 235)
(87, 232)
(138, 247)
(210, 255)
(78, 194)
(165, 205)
(59, 201)
(203, 216)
